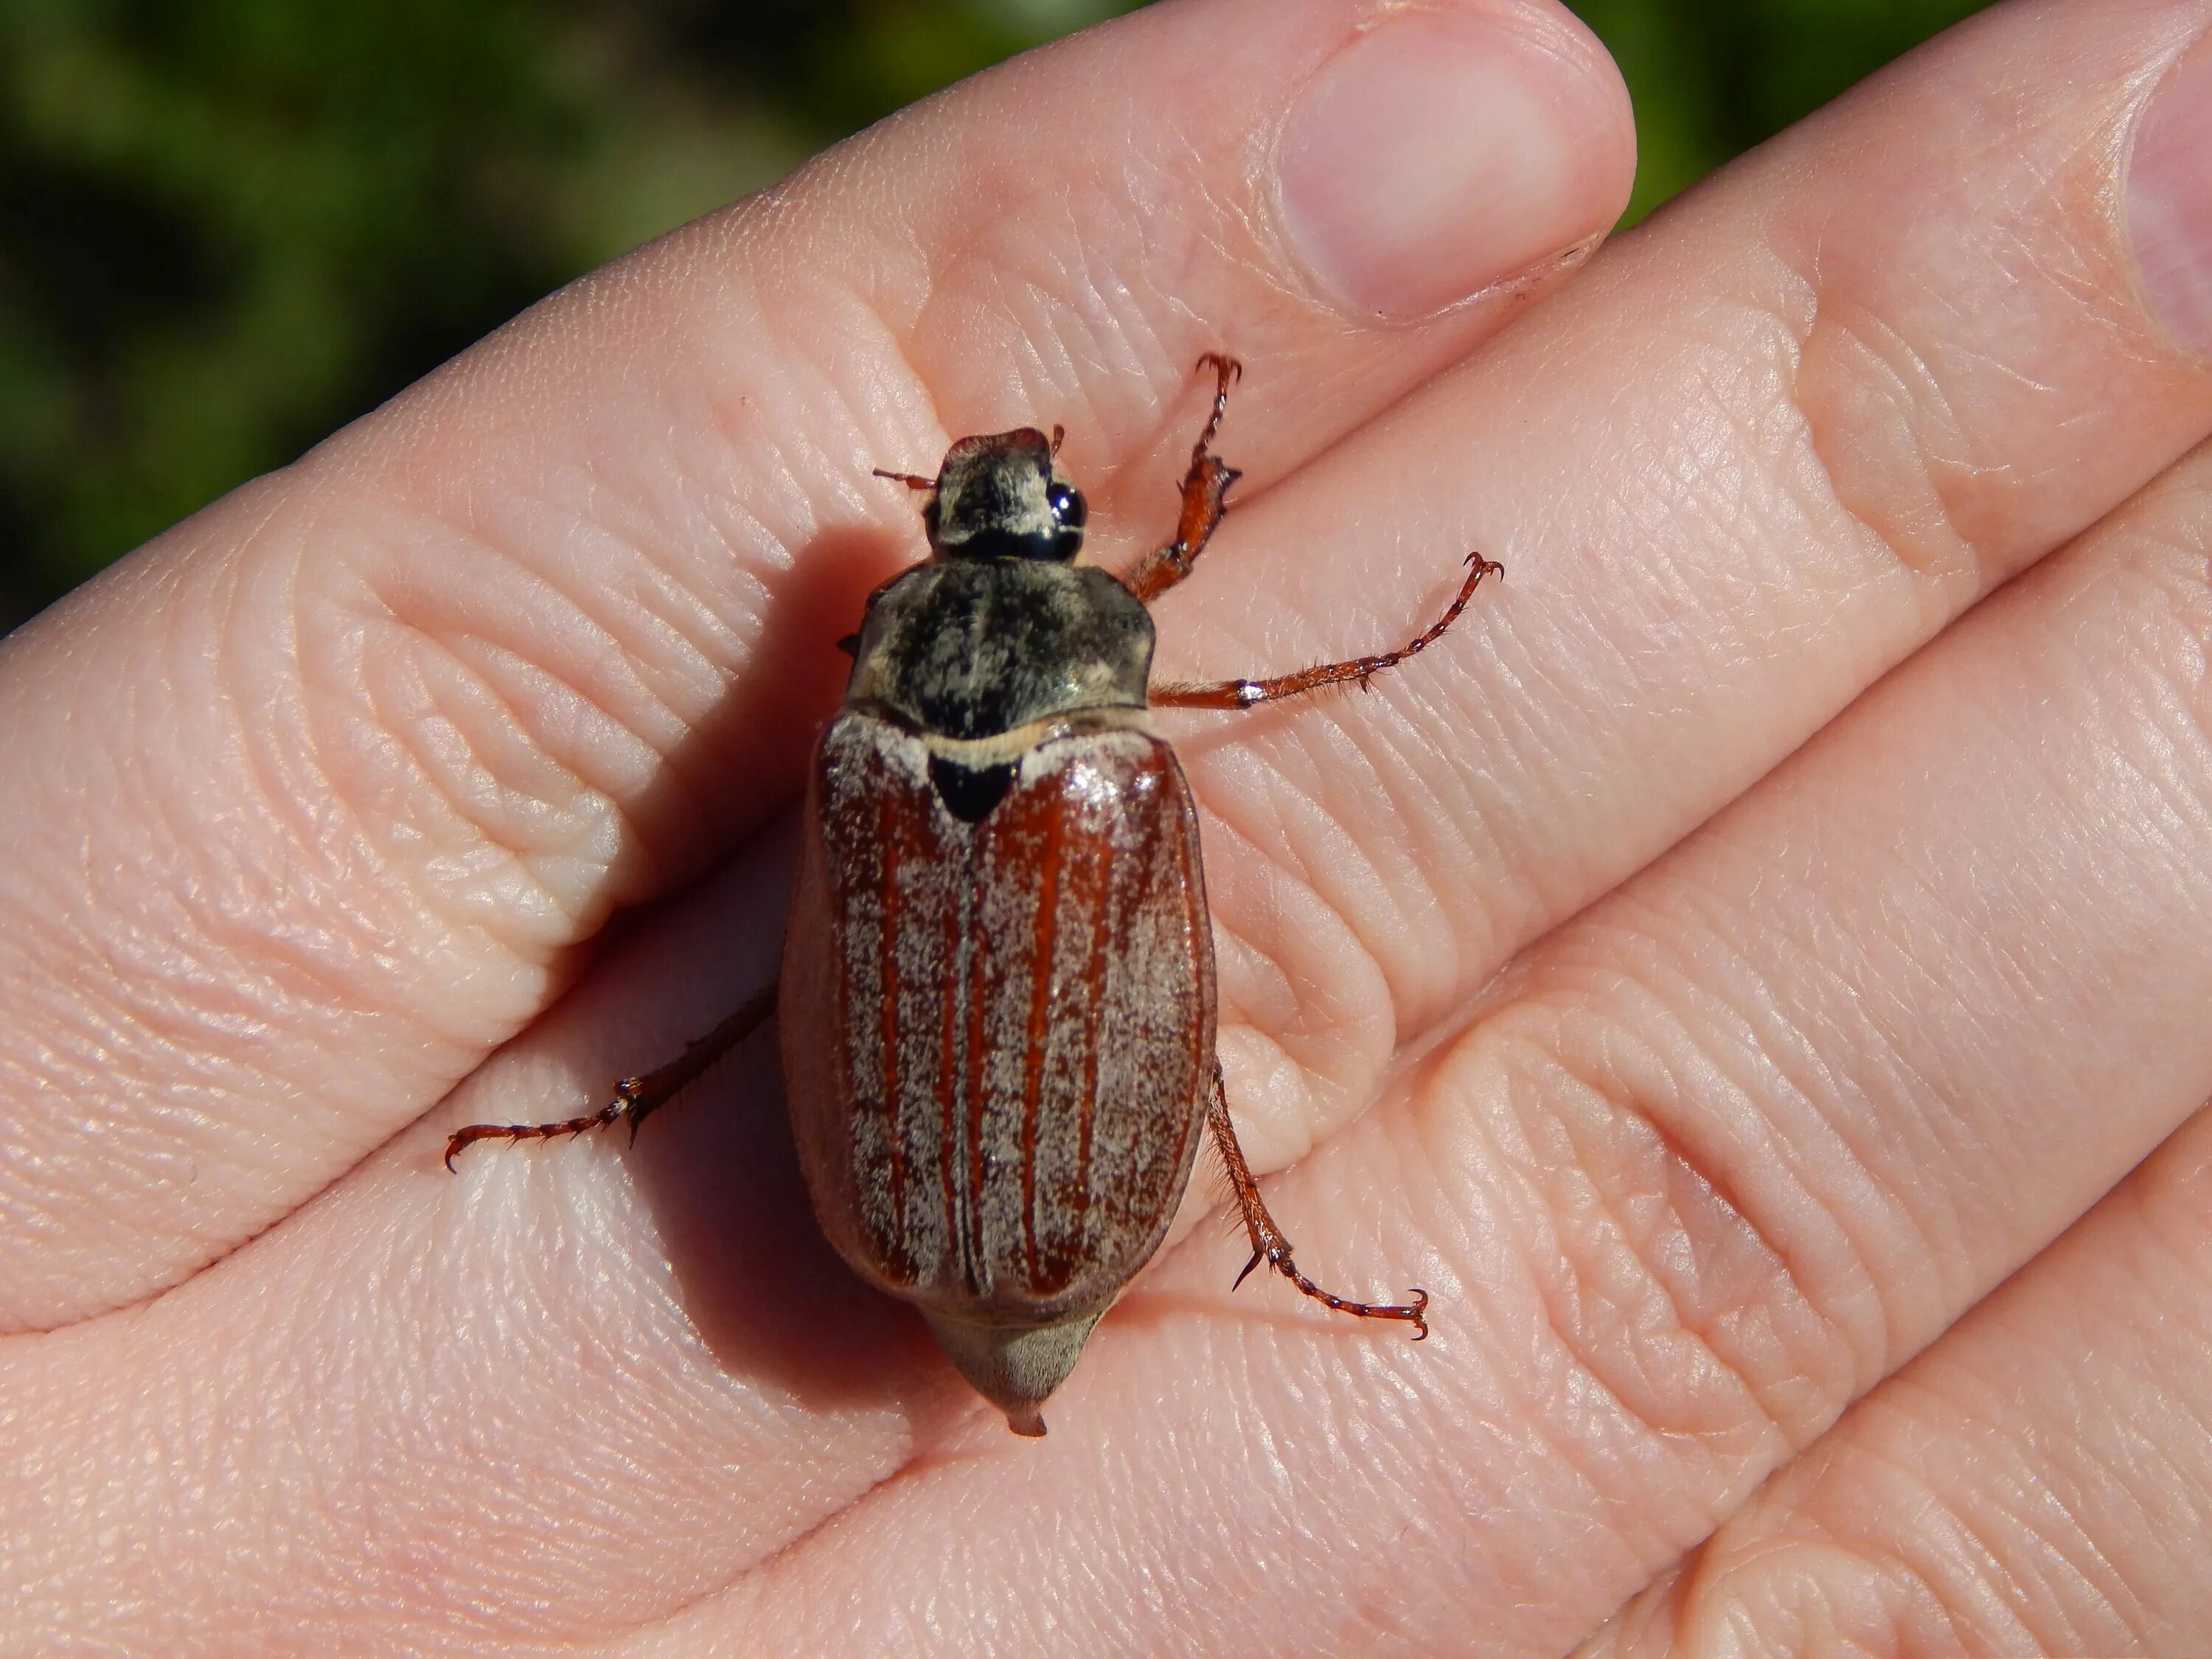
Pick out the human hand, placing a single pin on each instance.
(1709, 1027)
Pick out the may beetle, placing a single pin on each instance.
(998, 991)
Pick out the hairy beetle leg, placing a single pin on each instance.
(1204, 487)
(1250, 694)
(1268, 1244)
(636, 1098)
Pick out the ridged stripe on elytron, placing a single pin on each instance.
(1041, 960)
(948, 1094)
(1201, 1049)
(978, 1054)
(888, 980)
(1091, 894)
(1094, 999)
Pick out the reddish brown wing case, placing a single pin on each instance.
(997, 1035)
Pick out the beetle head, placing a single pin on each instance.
(1001, 496)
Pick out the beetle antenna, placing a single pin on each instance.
(911, 480)
(1059, 437)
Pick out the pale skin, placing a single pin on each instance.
(1786, 1084)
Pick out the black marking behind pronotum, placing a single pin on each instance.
(970, 792)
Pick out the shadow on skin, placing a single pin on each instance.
(752, 1270)
(716, 1166)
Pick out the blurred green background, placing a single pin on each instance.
(228, 227)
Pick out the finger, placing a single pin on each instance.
(1769, 445)
(2034, 1484)
(311, 803)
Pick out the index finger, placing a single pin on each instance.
(312, 801)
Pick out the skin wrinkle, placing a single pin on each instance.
(1796, 1575)
(351, 843)
(1996, 366)
(1277, 818)
(643, 609)
(1930, 546)
(1575, 1335)
(254, 746)
(2067, 1585)
(1546, 1437)
(429, 607)
(549, 848)
(400, 738)
(222, 865)
(1978, 1585)
(395, 607)
(315, 978)
(1695, 928)
(1983, 1588)
(1756, 1076)
(1337, 875)
(1904, 1400)
(2060, 268)
(1406, 787)
(1303, 1029)
(504, 811)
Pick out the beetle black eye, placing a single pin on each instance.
(1068, 508)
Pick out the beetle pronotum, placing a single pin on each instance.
(997, 990)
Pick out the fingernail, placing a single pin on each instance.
(2170, 199)
(1437, 154)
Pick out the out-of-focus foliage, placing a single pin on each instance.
(227, 227)
(1712, 78)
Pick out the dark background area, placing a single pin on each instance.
(228, 227)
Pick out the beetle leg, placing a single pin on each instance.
(1268, 1244)
(1203, 487)
(636, 1098)
(1250, 694)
